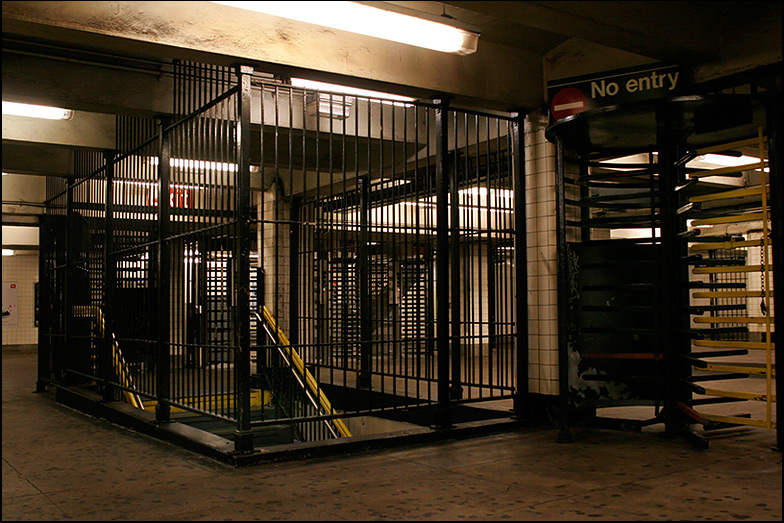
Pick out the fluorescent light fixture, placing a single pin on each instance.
(8, 252)
(342, 89)
(421, 30)
(5, 173)
(36, 111)
(726, 161)
(324, 104)
(198, 165)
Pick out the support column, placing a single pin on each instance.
(521, 267)
(564, 403)
(109, 277)
(243, 438)
(442, 265)
(163, 367)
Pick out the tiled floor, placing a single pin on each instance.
(59, 464)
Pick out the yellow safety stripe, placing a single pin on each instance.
(720, 270)
(735, 420)
(730, 344)
(728, 219)
(731, 319)
(118, 362)
(728, 294)
(741, 369)
(309, 379)
(726, 195)
(755, 396)
(212, 402)
(726, 245)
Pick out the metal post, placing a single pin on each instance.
(68, 290)
(442, 264)
(671, 284)
(243, 437)
(44, 311)
(294, 290)
(564, 403)
(109, 276)
(521, 266)
(452, 178)
(363, 270)
(163, 368)
(776, 203)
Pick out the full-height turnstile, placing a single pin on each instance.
(668, 217)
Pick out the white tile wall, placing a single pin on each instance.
(540, 223)
(22, 269)
(275, 249)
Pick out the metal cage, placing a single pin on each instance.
(279, 265)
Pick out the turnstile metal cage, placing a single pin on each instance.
(275, 264)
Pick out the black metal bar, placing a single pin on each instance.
(362, 268)
(243, 438)
(109, 275)
(521, 266)
(442, 263)
(564, 401)
(163, 368)
(451, 175)
(70, 246)
(294, 269)
(671, 284)
(44, 301)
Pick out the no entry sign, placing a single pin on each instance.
(570, 96)
(566, 102)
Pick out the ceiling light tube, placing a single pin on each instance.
(198, 165)
(8, 252)
(36, 111)
(420, 30)
(342, 89)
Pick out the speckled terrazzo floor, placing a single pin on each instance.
(59, 464)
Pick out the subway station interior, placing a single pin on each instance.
(247, 244)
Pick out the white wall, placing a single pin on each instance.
(22, 269)
(542, 259)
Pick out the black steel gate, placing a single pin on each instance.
(288, 262)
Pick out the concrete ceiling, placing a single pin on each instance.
(109, 58)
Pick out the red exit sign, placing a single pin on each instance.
(179, 197)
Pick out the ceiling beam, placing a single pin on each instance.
(677, 32)
(496, 76)
(37, 158)
(84, 86)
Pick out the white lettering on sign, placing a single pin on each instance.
(667, 81)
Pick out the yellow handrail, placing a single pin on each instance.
(118, 361)
(309, 379)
